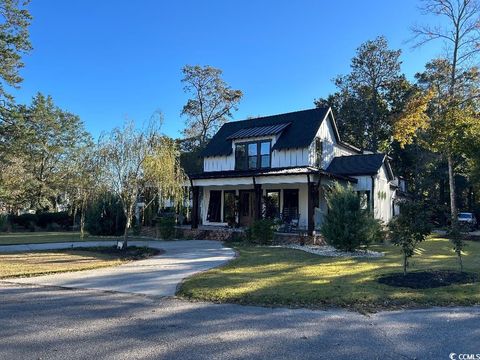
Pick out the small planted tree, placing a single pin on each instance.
(348, 224)
(456, 238)
(409, 228)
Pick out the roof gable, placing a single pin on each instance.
(365, 164)
(300, 132)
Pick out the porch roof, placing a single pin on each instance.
(303, 170)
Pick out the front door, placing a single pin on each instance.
(246, 205)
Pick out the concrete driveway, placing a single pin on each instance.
(158, 275)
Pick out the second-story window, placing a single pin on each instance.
(252, 155)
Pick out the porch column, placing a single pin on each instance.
(257, 209)
(310, 207)
(195, 206)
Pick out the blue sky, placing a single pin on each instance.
(111, 60)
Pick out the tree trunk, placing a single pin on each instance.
(451, 181)
(127, 226)
(82, 224)
(459, 254)
(82, 217)
(405, 264)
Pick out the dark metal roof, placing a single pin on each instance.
(258, 131)
(365, 164)
(300, 133)
(302, 170)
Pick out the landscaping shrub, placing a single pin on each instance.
(25, 221)
(261, 232)
(4, 223)
(409, 228)
(166, 227)
(54, 220)
(105, 216)
(348, 225)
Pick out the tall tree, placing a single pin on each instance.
(14, 42)
(461, 37)
(211, 102)
(46, 140)
(367, 96)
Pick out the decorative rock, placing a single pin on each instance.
(327, 250)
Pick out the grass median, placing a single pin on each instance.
(55, 261)
(47, 237)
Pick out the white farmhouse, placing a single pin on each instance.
(287, 161)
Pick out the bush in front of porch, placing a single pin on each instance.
(349, 224)
(261, 232)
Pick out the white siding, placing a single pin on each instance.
(383, 196)
(219, 163)
(280, 158)
(331, 148)
(364, 183)
(290, 157)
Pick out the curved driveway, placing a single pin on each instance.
(159, 275)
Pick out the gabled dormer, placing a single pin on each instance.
(301, 138)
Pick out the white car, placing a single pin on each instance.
(467, 219)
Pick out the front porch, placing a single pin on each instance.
(293, 196)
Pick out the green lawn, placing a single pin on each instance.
(284, 277)
(45, 237)
(54, 261)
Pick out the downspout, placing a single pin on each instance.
(373, 195)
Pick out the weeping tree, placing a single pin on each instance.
(164, 174)
(138, 160)
(123, 154)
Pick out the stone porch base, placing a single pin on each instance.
(228, 234)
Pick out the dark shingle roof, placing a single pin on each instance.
(365, 164)
(300, 133)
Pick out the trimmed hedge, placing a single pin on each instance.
(47, 221)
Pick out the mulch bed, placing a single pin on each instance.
(131, 253)
(428, 279)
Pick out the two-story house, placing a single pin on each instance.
(286, 160)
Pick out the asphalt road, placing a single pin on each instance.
(54, 323)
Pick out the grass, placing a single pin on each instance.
(285, 277)
(45, 237)
(55, 261)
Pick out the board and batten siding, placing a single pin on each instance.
(280, 158)
(288, 157)
(331, 148)
(383, 196)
